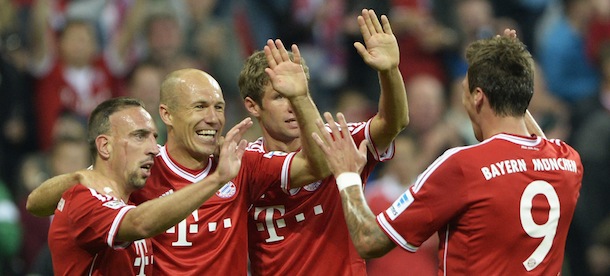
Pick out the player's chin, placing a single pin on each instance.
(206, 149)
(138, 180)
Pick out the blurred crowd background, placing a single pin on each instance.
(60, 58)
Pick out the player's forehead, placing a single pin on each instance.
(203, 93)
(268, 91)
(131, 119)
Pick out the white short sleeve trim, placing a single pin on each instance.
(394, 235)
(115, 227)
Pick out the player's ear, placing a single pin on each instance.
(165, 115)
(252, 107)
(479, 98)
(103, 145)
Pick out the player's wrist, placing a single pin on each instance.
(348, 179)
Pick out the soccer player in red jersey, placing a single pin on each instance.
(104, 234)
(299, 229)
(500, 207)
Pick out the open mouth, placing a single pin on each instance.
(207, 134)
(292, 123)
(146, 168)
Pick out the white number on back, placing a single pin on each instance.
(547, 230)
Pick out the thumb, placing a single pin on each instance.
(361, 50)
(363, 146)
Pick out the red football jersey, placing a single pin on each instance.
(82, 237)
(501, 207)
(213, 238)
(302, 231)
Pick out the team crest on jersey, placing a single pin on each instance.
(400, 205)
(313, 186)
(227, 191)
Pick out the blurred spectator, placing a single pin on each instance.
(72, 74)
(33, 171)
(17, 129)
(165, 43)
(144, 83)
(560, 48)
(526, 13)
(427, 105)
(10, 230)
(67, 154)
(69, 125)
(475, 20)
(592, 141)
(354, 105)
(552, 114)
(267, 19)
(598, 31)
(358, 73)
(422, 38)
(397, 175)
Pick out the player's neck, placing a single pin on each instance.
(511, 125)
(117, 187)
(184, 158)
(272, 144)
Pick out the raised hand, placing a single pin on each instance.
(232, 150)
(509, 33)
(287, 76)
(340, 150)
(380, 49)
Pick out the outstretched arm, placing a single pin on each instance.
(367, 236)
(43, 200)
(288, 78)
(155, 216)
(380, 51)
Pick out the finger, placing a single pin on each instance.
(362, 51)
(327, 137)
(320, 143)
(240, 149)
(387, 28)
(343, 123)
(332, 125)
(271, 74)
(363, 147)
(282, 50)
(364, 30)
(368, 22)
(296, 53)
(242, 127)
(238, 129)
(275, 52)
(270, 60)
(375, 22)
(513, 34)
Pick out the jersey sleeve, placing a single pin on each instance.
(361, 131)
(427, 206)
(95, 218)
(374, 151)
(264, 170)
